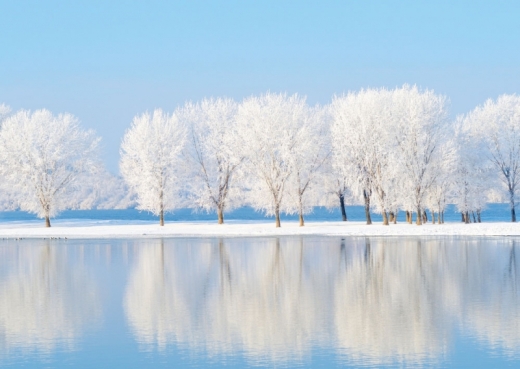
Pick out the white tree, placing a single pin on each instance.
(334, 181)
(441, 189)
(375, 112)
(421, 129)
(271, 129)
(46, 159)
(471, 171)
(213, 154)
(362, 146)
(150, 161)
(498, 124)
(350, 155)
(336, 189)
(437, 197)
(310, 151)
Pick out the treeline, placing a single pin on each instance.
(391, 150)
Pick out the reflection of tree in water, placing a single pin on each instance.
(388, 303)
(44, 301)
(164, 289)
(225, 296)
(373, 300)
(491, 308)
(271, 310)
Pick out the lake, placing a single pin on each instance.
(492, 213)
(260, 302)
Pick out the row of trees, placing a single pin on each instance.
(392, 150)
(267, 151)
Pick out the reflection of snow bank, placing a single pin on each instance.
(114, 229)
(44, 302)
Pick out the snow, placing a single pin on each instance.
(81, 229)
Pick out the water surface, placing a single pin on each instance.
(260, 302)
(492, 213)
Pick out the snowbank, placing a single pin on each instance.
(112, 229)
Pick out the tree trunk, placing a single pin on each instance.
(392, 217)
(474, 217)
(419, 218)
(300, 210)
(277, 217)
(161, 214)
(442, 217)
(424, 217)
(463, 219)
(220, 215)
(513, 213)
(342, 206)
(47, 221)
(385, 218)
(408, 217)
(367, 207)
(395, 216)
(433, 216)
(467, 220)
(478, 216)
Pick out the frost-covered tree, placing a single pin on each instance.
(350, 155)
(421, 118)
(46, 159)
(213, 154)
(271, 131)
(362, 146)
(150, 161)
(334, 181)
(438, 196)
(471, 173)
(441, 190)
(336, 189)
(497, 123)
(376, 113)
(309, 153)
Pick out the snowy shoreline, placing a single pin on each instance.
(108, 229)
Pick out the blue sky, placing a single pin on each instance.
(106, 61)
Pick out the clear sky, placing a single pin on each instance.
(105, 61)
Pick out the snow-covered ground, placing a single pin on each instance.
(122, 229)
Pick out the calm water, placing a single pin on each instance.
(273, 302)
